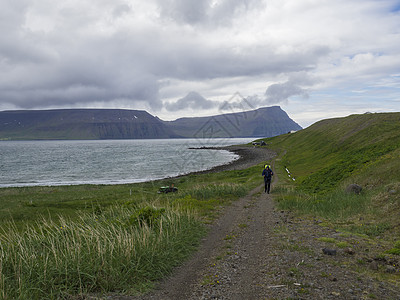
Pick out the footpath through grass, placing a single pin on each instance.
(318, 163)
(71, 241)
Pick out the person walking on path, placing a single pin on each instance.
(267, 173)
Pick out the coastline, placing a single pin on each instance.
(248, 157)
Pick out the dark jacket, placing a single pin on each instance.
(267, 173)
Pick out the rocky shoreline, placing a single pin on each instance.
(248, 157)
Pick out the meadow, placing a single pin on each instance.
(62, 242)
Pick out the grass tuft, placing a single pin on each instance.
(96, 253)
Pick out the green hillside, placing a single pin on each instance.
(331, 154)
(328, 152)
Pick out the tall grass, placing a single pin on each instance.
(122, 249)
(335, 206)
(124, 238)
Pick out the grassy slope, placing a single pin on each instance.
(329, 155)
(328, 152)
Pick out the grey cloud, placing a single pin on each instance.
(298, 84)
(295, 86)
(73, 71)
(81, 63)
(192, 100)
(280, 92)
(191, 12)
(71, 65)
(12, 18)
(12, 14)
(79, 78)
(205, 12)
(120, 10)
(191, 60)
(130, 65)
(225, 11)
(84, 91)
(237, 103)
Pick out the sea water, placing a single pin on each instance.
(29, 163)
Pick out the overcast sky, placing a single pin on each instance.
(176, 58)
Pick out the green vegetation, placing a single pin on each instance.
(328, 152)
(70, 241)
(396, 249)
(331, 154)
(66, 242)
(334, 241)
(115, 250)
(202, 192)
(327, 240)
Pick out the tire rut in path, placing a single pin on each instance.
(238, 275)
(185, 282)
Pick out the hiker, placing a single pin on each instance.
(267, 173)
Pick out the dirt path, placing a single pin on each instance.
(254, 251)
(187, 281)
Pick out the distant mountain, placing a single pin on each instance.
(263, 122)
(81, 124)
(136, 124)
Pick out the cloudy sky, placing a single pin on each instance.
(315, 58)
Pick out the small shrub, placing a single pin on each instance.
(370, 229)
(397, 245)
(326, 240)
(342, 244)
(29, 203)
(394, 251)
(147, 215)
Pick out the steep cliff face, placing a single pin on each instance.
(136, 124)
(82, 124)
(263, 122)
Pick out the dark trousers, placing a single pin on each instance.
(267, 185)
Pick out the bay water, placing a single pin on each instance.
(30, 163)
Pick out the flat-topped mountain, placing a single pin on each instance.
(81, 124)
(137, 124)
(263, 122)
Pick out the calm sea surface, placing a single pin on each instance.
(27, 163)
